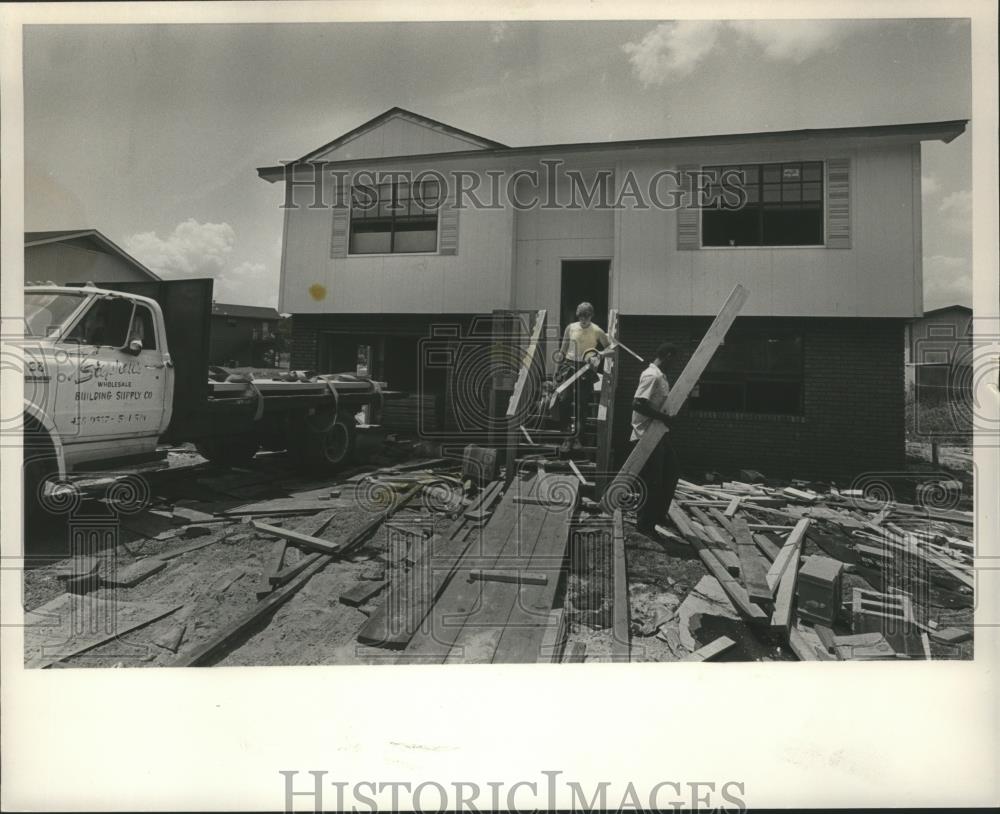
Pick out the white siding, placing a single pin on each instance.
(514, 260)
(547, 237)
(876, 277)
(476, 279)
(398, 135)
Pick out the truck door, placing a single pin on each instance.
(114, 393)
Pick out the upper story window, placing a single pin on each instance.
(784, 206)
(394, 218)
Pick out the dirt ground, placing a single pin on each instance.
(674, 606)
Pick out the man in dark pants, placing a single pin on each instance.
(661, 471)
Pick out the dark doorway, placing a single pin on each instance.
(584, 281)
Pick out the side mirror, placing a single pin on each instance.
(134, 347)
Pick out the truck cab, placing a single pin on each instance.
(99, 376)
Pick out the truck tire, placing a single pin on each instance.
(325, 449)
(230, 450)
(40, 465)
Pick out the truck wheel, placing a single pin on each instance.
(230, 450)
(40, 464)
(327, 449)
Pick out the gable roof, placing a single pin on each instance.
(944, 308)
(945, 131)
(224, 309)
(93, 237)
(392, 112)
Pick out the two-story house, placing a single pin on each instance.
(823, 228)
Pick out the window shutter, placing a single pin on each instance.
(688, 220)
(448, 228)
(338, 236)
(838, 203)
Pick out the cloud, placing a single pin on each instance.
(498, 32)
(956, 211)
(248, 283)
(673, 50)
(947, 280)
(192, 250)
(792, 40)
(195, 249)
(929, 185)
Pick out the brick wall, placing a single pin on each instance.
(853, 418)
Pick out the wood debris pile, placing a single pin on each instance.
(834, 575)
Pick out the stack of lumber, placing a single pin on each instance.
(752, 538)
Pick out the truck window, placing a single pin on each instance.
(106, 323)
(45, 314)
(142, 328)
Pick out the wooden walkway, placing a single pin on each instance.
(492, 621)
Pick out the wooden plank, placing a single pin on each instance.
(680, 390)
(71, 624)
(790, 548)
(208, 649)
(554, 640)
(529, 360)
(736, 592)
(785, 596)
(606, 405)
(459, 598)
(296, 538)
(752, 568)
(135, 573)
(487, 497)
(711, 650)
(717, 542)
(292, 571)
(511, 626)
(514, 577)
(733, 506)
(362, 592)
(769, 549)
(827, 638)
(274, 558)
(803, 650)
(621, 647)
(509, 622)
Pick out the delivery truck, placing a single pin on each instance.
(114, 372)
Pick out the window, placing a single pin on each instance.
(754, 373)
(45, 314)
(106, 323)
(142, 328)
(394, 218)
(784, 205)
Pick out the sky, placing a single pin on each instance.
(153, 133)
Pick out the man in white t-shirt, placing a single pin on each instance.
(581, 341)
(661, 471)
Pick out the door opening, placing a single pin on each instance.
(584, 281)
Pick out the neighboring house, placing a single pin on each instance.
(810, 379)
(939, 354)
(79, 256)
(243, 335)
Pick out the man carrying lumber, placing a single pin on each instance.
(581, 342)
(661, 471)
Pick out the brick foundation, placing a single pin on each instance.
(853, 403)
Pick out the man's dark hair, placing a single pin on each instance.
(665, 350)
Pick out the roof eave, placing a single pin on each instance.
(945, 131)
